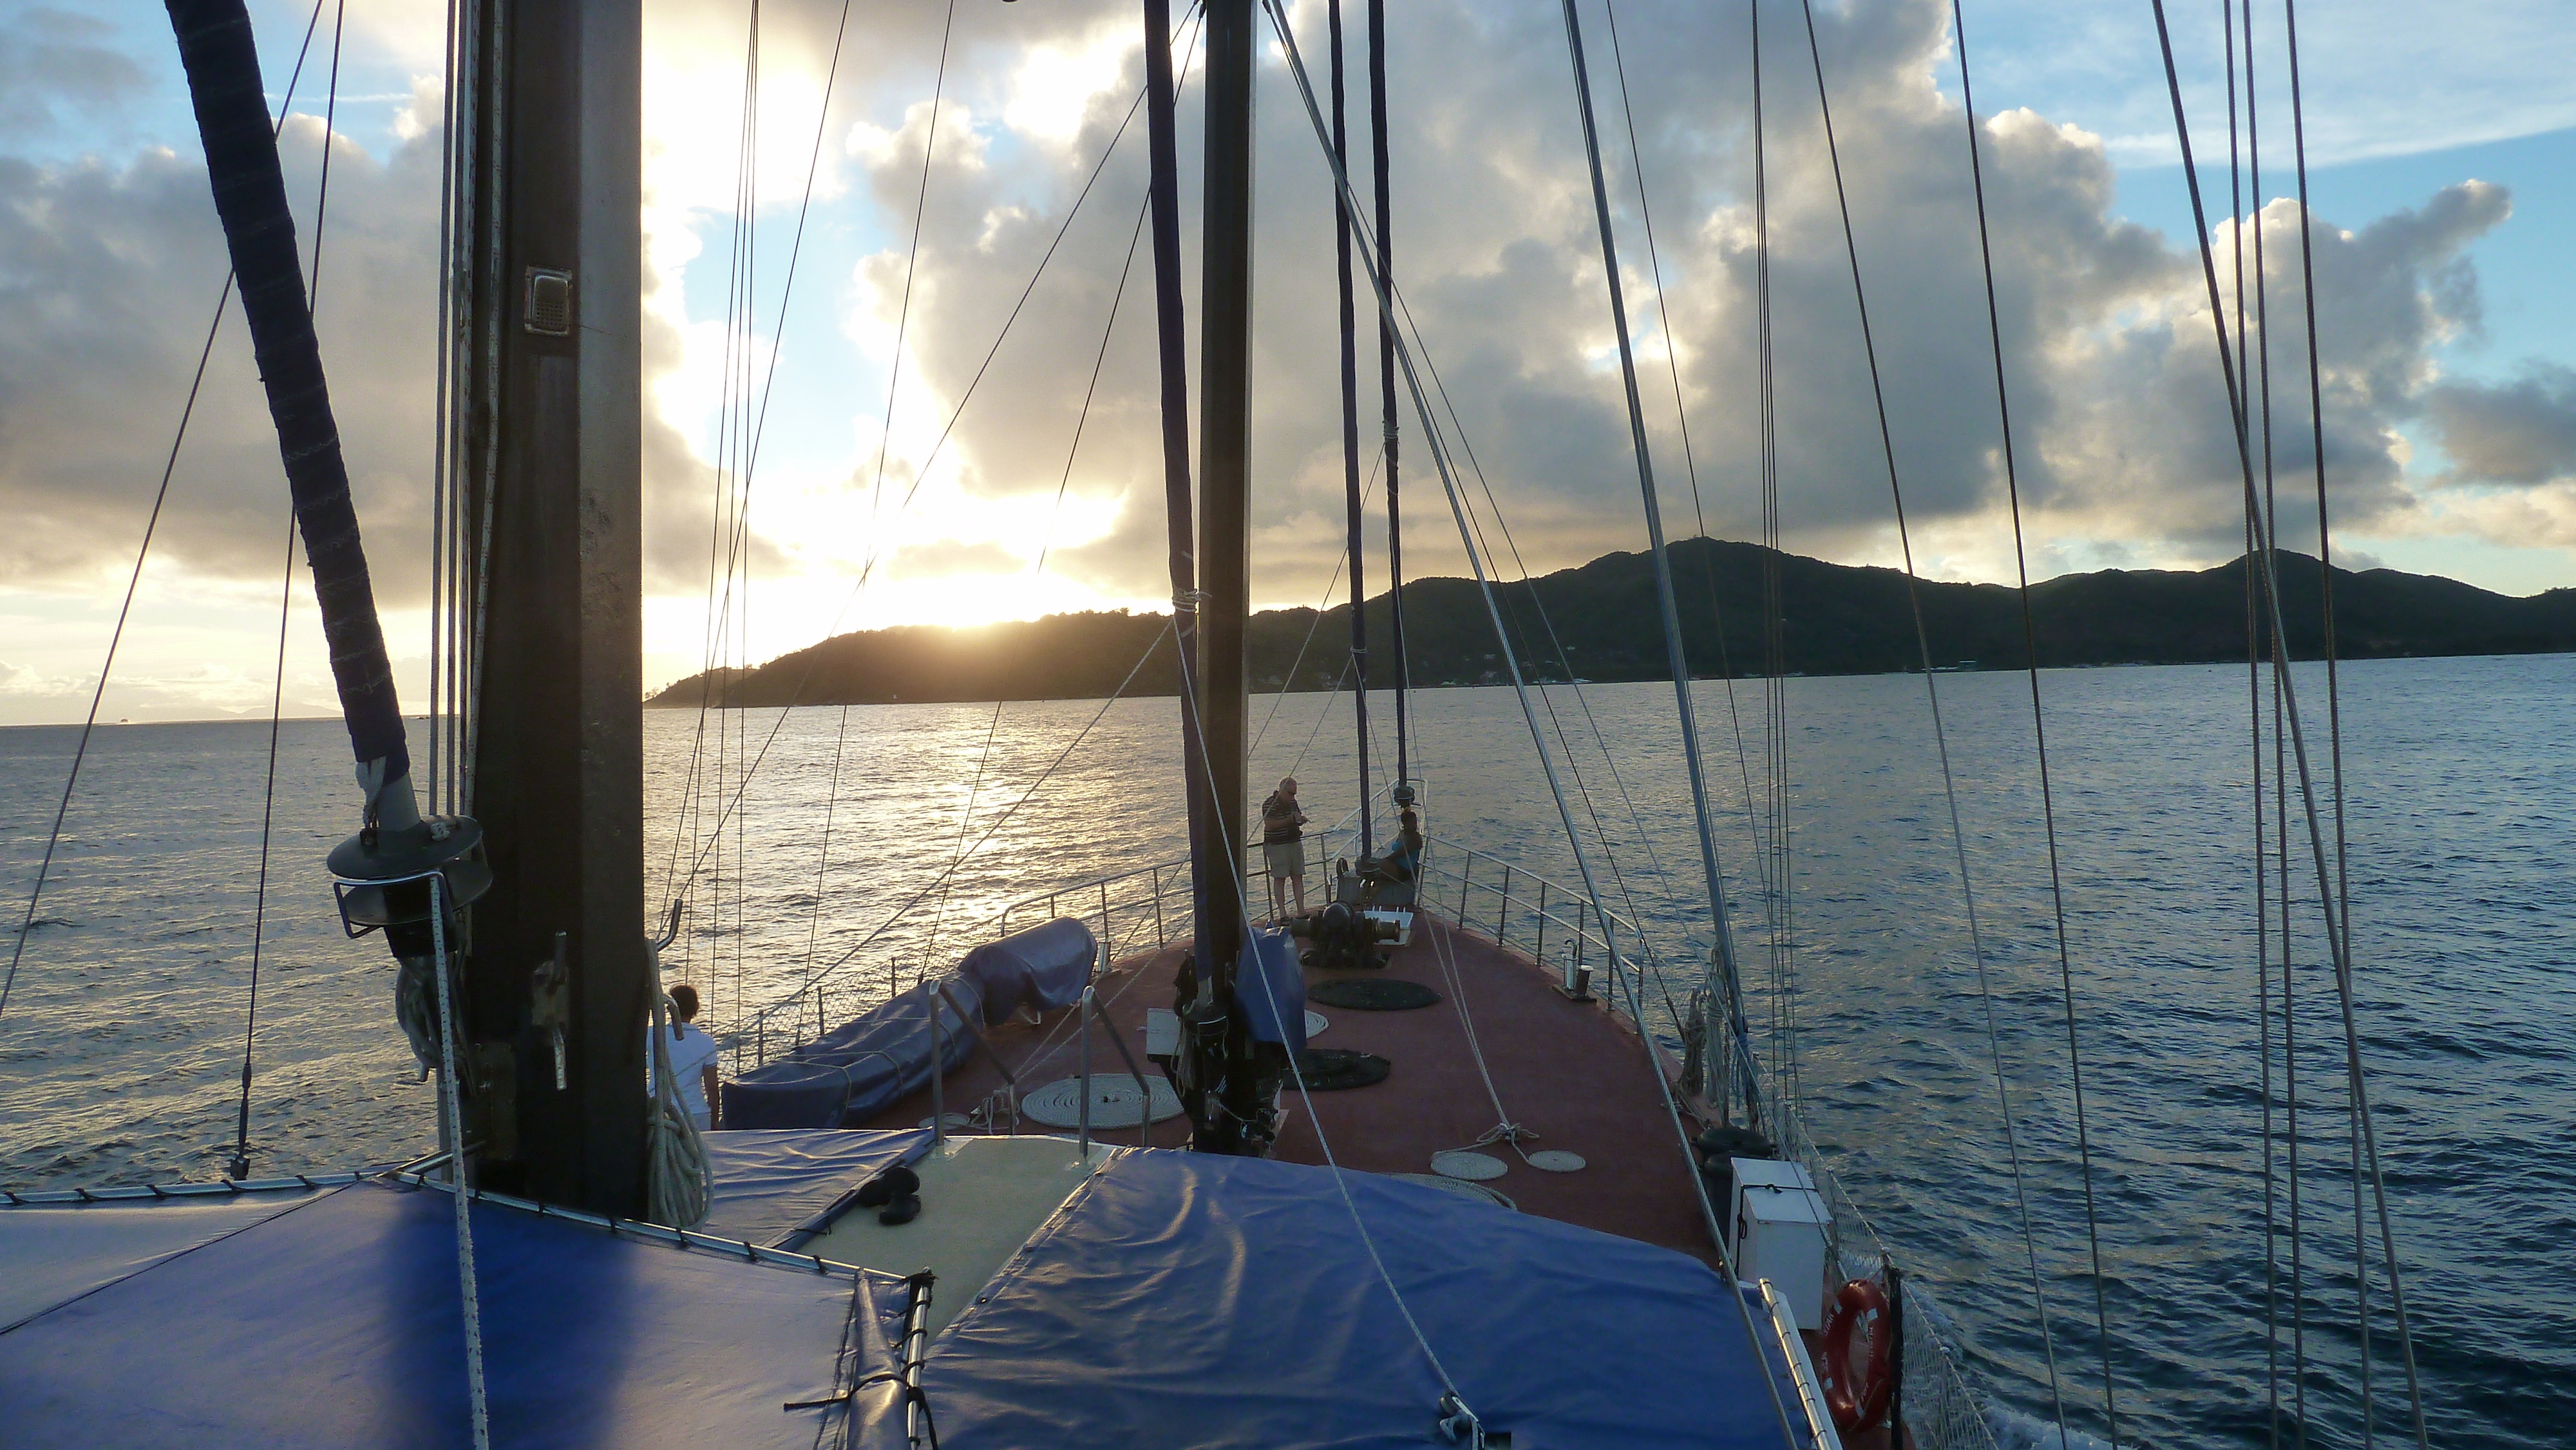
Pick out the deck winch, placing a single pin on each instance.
(1343, 939)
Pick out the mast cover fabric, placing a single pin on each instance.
(1277, 1014)
(860, 1068)
(1044, 968)
(768, 1186)
(222, 62)
(338, 1323)
(1186, 1299)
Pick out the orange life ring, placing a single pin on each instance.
(1855, 1401)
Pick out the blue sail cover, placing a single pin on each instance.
(858, 1069)
(1193, 1300)
(1044, 968)
(337, 1322)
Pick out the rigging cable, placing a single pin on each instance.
(2039, 729)
(868, 567)
(1725, 950)
(1448, 407)
(795, 997)
(1388, 414)
(2254, 734)
(438, 506)
(1064, 482)
(1775, 684)
(2333, 907)
(1681, 419)
(1046, 543)
(1386, 301)
(2262, 885)
(1350, 380)
(239, 1168)
(2334, 706)
(1940, 733)
(151, 523)
(2355, 1120)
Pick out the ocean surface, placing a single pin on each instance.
(872, 841)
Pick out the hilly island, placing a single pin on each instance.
(1600, 621)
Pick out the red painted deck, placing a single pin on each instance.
(1577, 1073)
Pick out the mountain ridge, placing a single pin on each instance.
(1600, 621)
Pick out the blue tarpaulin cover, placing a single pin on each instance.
(59, 1252)
(1271, 985)
(852, 1073)
(767, 1185)
(1044, 968)
(1194, 1300)
(337, 1323)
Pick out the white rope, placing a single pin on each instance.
(448, 1103)
(1444, 956)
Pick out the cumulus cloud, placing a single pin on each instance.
(2517, 434)
(2123, 442)
(112, 277)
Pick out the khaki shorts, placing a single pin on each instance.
(1285, 859)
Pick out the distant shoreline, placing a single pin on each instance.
(1600, 623)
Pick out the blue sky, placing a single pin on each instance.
(1033, 93)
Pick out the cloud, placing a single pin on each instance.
(27, 680)
(54, 62)
(2516, 434)
(113, 273)
(2123, 444)
(949, 556)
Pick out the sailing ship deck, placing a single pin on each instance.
(1574, 1072)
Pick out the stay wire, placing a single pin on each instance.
(1940, 733)
(2253, 156)
(1476, 470)
(2039, 728)
(1725, 973)
(1064, 482)
(134, 580)
(2325, 582)
(2263, 900)
(918, 897)
(1386, 300)
(868, 568)
(1681, 416)
(1401, 315)
(2330, 899)
(239, 1168)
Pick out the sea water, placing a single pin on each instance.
(825, 854)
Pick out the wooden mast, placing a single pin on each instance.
(550, 476)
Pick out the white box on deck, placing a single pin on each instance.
(1781, 1234)
(1761, 1173)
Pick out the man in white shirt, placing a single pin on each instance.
(693, 1058)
